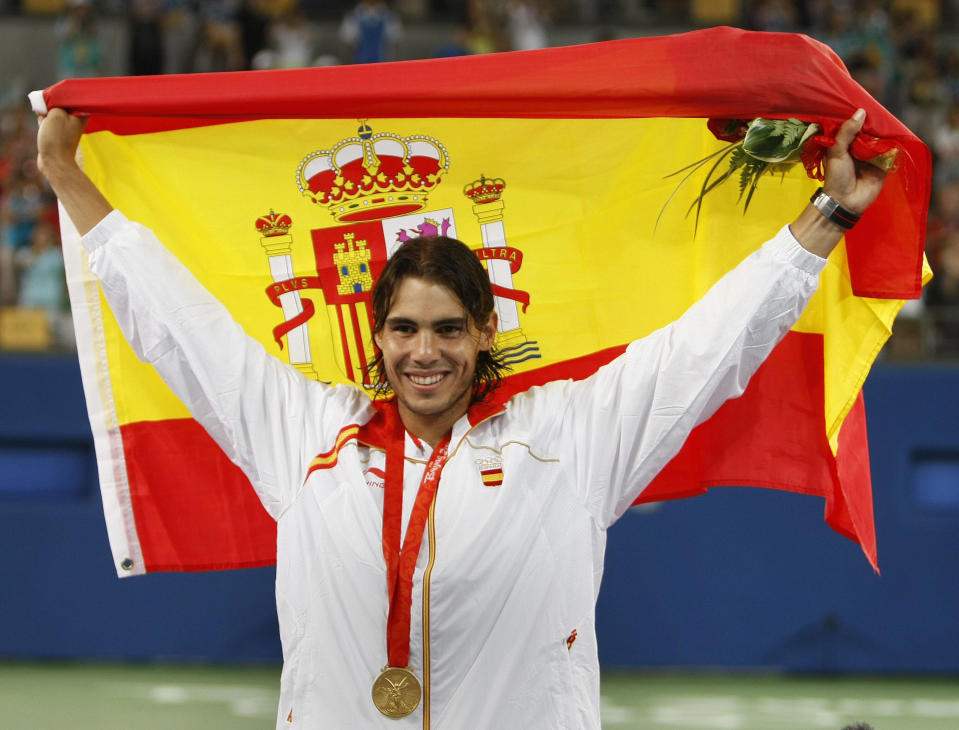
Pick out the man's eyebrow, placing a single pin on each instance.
(454, 321)
(399, 320)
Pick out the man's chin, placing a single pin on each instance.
(433, 404)
(425, 405)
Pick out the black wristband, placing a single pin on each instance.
(833, 211)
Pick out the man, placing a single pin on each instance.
(512, 500)
(369, 31)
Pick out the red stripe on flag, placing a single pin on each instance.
(217, 523)
(855, 478)
(361, 375)
(774, 436)
(345, 343)
(771, 436)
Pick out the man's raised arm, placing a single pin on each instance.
(265, 416)
(57, 142)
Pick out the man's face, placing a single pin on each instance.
(429, 345)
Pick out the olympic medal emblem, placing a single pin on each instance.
(396, 692)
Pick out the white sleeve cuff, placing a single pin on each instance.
(785, 246)
(111, 224)
(37, 102)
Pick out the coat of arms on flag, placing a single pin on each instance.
(376, 187)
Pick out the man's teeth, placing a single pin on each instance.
(426, 379)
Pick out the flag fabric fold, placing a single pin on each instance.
(285, 192)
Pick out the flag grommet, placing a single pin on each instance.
(126, 564)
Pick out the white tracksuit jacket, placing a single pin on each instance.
(506, 574)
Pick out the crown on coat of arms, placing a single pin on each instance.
(484, 190)
(373, 176)
(273, 224)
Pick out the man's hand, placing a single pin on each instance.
(853, 184)
(57, 142)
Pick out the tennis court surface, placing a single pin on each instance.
(151, 697)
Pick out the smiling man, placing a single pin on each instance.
(434, 328)
(513, 499)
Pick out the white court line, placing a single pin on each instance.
(241, 700)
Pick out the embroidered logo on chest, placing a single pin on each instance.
(491, 470)
(375, 477)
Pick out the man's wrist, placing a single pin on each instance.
(84, 203)
(833, 210)
(58, 170)
(815, 233)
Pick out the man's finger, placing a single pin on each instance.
(847, 133)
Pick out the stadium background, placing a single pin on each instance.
(738, 609)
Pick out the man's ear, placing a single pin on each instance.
(488, 332)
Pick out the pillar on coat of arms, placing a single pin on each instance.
(488, 207)
(277, 243)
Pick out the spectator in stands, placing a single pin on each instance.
(146, 37)
(944, 142)
(941, 295)
(839, 32)
(290, 44)
(482, 37)
(42, 282)
(254, 18)
(8, 279)
(926, 89)
(772, 15)
(526, 24)
(457, 44)
(25, 200)
(21, 208)
(875, 43)
(181, 35)
(81, 52)
(370, 30)
(17, 150)
(220, 45)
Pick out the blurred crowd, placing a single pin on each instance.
(900, 53)
(904, 52)
(34, 309)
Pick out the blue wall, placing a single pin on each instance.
(739, 577)
(747, 578)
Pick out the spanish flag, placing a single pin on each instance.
(285, 192)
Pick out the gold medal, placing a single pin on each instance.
(396, 692)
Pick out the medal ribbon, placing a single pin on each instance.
(400, 563)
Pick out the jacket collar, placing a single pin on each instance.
(375, 432)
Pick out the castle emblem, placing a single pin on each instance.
(352, 260)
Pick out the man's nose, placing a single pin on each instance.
(424, 346)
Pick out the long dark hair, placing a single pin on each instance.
(449, 262)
